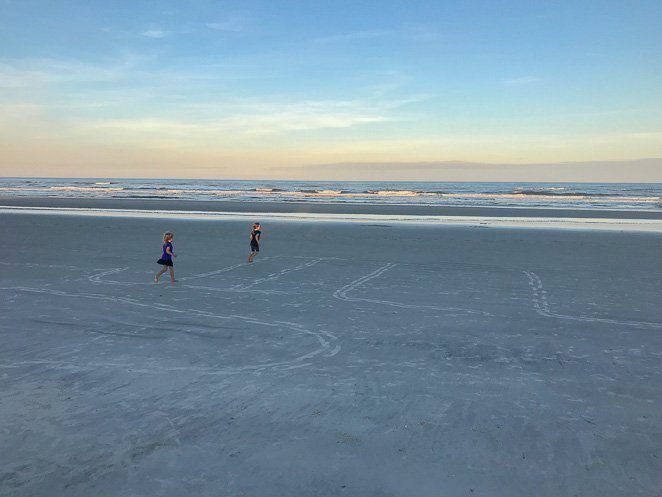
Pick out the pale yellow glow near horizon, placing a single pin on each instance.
(296, 144)
(159, 153)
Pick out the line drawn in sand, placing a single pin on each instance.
(323, 338)
(99, 277)
(342, 292)
(541, 305)
(277, 275)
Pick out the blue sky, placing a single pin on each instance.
(229, 89)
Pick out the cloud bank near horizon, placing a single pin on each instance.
(632, 171)
(635, 171)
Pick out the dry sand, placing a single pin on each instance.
(350, 360)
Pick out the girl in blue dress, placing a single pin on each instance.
(166, 257)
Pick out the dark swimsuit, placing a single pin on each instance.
(255, 240)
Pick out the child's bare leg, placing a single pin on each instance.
(172, 274)
(251, 257)
(158, 275)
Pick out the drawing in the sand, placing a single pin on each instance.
(541, 305)
(341, 294)
(324, 346)
(388, 324)
(539, 299)
(322, 343)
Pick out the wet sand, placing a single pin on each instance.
(350, 360)
(322, 208)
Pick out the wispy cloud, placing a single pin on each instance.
(411, 33)
(424, 33)
(36, 72)
(132, 99)
(255, 118)
(356, 35)
(231, 24)
(521, 81)
(156, 33)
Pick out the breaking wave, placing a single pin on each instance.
(565, 195)
(559, 192)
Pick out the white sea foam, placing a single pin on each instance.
(576, 195)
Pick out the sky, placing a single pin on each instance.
(339, 89)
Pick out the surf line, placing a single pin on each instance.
(541, 305)
(322, 337)
(341, 294)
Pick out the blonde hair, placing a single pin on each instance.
(167, 235)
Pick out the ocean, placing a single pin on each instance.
(630, 196)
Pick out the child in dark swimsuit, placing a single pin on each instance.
(166, 257)
(255, 241)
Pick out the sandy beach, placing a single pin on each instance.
(352, 359)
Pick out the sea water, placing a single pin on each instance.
(639, 196)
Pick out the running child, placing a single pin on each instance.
(166, 257)
(255, 241)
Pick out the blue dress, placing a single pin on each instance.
(166, 258)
